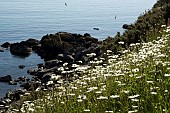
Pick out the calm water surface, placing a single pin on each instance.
(23, 19)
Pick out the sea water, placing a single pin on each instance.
(23, 19)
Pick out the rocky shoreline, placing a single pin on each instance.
(62, 52)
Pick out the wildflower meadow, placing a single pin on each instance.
(137, 81)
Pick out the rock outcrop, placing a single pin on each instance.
(20, 49)
(6, 78)
(24, 48)
(125, 26)
(67, 47)
(6, 45)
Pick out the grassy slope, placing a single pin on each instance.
(138, 81)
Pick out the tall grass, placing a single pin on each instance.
(136, 81)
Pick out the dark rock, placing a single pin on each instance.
(69, 58)
(27, 79)
(41, 73)
(64, 43)
(36, 47)
(30, 86)
(23, 79)
(26, 85)
(6, 78)
(32, 42)
(90, 40)
(52, 63)
(32, 71)
(1, 50)
(41, 66)
(87, 35)
(2, 102)
(125, 26)
(21, 66)
(81, 55)
(65, 58)
(96, 28)
(47, 77)
(15, 95)
(12, 83)
(20, 49)
(79, 49)
(43, 54)
(60, 56)
(67, 37)
(6, 45)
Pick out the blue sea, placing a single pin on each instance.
(24, 19)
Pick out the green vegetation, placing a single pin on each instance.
(136, 81)
(145, 29)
